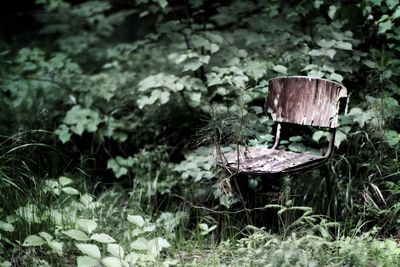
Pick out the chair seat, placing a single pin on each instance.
(266, 160)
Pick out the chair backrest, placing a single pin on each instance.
(305, 100)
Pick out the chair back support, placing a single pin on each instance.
(305, 100)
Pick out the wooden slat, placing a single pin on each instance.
(305, 100)
(265, 160)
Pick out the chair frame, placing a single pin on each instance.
(321, 110)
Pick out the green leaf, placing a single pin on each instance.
(335, 77)
(396, 14)
(392, 3)
(385, 26)
(111, 262)
(5, 264)
(140, 244)
(63, 133)
(116, 250)
(57, 247)
(316, 52)
(70, 191)
(195, 97)
(344, 45)
(162, 3)
(297, 147)
(360, 116)
(136, 219)
(392, 137)
(88, 226)
(155, 245)
(296, 138)
(205, 229)
(164, 97)
(331, 53)
(280, 69)
(203, 226)
(65, 181)
(6, 226)
(89, 250)
(256, 69)
(339, 138)
(332, 12)
(102, 238)
(132, 258)
(76, 234)
(319, 134)
(46, 236)
(33, 241)
(29, 213)
(194, 63)
(86, 261)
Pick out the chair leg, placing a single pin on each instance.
(324, 170)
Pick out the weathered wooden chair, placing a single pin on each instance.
(296, 100)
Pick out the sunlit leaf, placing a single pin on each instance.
(89, 250)
(33, 240)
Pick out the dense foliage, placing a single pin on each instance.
(131, 99)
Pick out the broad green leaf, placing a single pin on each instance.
(46, 236)
(164, 97)
(195, 97)
(63, 133)
(214, 48)
(162, 3)
(392, 3)
(316, 52)
(326, 44)
(57, 247)
(339, 138)
(8, 227)
(132, 258)
(396, 14)
(136, 219)
(195, 63)
(203, 226)
(315, 73)
(89, 250)
(256, 69)
(296, 138)
(116, 250)
(86, 261)
(156, 245)
(111, 262)
(332, 12)
(385, 26)
(360, 116)
(88, 226)
(29, 213)
(318, 135)
(392, 137)
(140, 244)
(5, 264)
(76, 234)
(280, 69)
(138, 231)
(331, 53)
(102, 238)
(344, 45)
(297, 147)
(205, 229)
(65, 181)
(33, 240)
(335, 77)
(70, 191)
